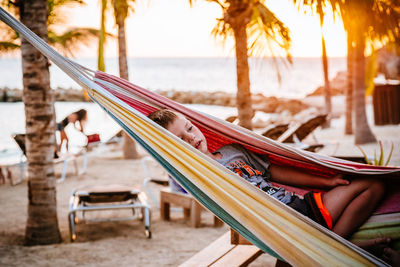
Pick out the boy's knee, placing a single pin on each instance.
(377, 187)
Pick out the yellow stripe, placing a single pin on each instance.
(295, 238)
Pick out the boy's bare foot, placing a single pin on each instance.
(391, 256)
(339, 180)
(375, 246)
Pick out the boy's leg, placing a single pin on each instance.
(350, 205)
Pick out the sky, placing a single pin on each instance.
(160, 28)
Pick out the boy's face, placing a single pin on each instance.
(184, 129)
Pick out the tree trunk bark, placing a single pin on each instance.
(122, 58)
(327, 89)
(348, 129)
(42, 224)
(363, 133)
(100, 61)
(243, 95)
(129, 148)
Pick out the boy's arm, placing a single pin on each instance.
(293, 177)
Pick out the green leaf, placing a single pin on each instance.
(390, 155)
(380, 162)
(365, 156)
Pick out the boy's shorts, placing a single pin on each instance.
(312, 207)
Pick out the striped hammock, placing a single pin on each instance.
(266, 222)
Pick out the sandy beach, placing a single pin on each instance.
(124, 243)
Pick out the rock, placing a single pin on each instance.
(267, 105)
(293, 106)
(337, 85)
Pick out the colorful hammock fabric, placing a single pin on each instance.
(266, 222)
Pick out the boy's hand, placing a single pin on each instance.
(338, 180)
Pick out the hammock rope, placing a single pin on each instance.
(266, 222)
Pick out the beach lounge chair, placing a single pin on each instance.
(298, 132)
(64, 158)
(274, 131)
(9, 161)
(110, 197)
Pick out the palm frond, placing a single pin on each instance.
(221, 31)
(7, 47)
(56, 13)
(71, 40)
(267, 34)
(390, 155)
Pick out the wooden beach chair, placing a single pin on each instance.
(65, 159)
(161, 195)
(275, 131)
(297, 133)
(109, 197)
(191, 208)
(153, 182)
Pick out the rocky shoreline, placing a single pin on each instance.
(262, 103)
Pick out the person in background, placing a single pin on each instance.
(79, 117)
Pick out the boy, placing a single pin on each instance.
(342, 208)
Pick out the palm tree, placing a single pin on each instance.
(319, 7)
(348, 128)
(249, 21)
(102, 37)
(327, 90)
(366, 21)
(65, 42)
(42, 224)
(121, 11)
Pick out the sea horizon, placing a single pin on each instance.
(209, 74)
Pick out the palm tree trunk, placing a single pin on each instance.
(327, 89)
(100, 61)
(42, 224)
(122, 55)
(348, 129)
(363, 133)
(243, 95)
(129, 148)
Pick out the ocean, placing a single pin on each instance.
(183, 74)
(197, 74)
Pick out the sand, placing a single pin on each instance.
(124, 243)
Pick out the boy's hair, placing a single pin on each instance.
(163, 117)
